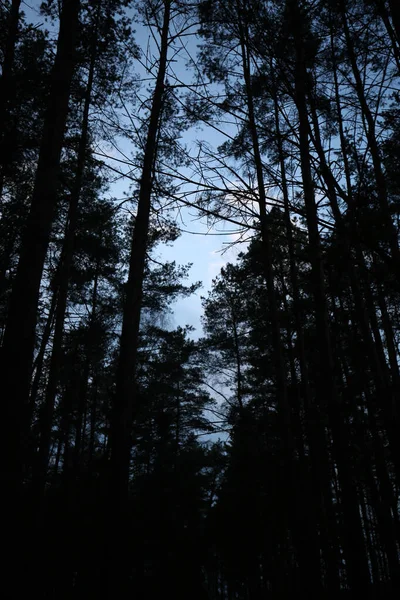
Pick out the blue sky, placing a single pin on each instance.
(204, 252)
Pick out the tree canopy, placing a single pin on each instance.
(260, 457)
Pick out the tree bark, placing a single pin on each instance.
(63, 278)
(381, 187)
(19, 337)
(123, 408)
(394, 7)
(124, 398)
(307, 553)
(6, 84)
(327, 372)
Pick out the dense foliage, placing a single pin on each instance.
(261, 460)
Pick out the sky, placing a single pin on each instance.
(207, 249)
(205, 253)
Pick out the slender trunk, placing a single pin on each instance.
(296, 397)
(384, 388)
(343, 142)
(19, 337)
(379, 451)
(124, 398)
(237, 357)
(365, 306)
(394, 8)
(66, 260)
(320, 506)
(81, 417)
(6, 260)
(394, 37)
(294, 278)
(383, 501)
(123, 408)
(345, 235)
(93, 417)
(380, 557)
(387, 532)
(327, 371)
(59, 449)
(381, 187)
(369, 542)
(93, 407)
(280, 373)
(7, 86)
(38, 364)
(390, 343)
(178, 427)
(38, 374)
(333, 188)
(286, 456)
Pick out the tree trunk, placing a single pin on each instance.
(365, 306)
(390, 343)
(38, 364)
(124, 398)
(319, 462)
(394, 36)
(93, 407)
(19, 338)
(381, 187)
(286, 457)
(394, 7)
(326, 380)
(7, 86)
(66, 260)
(238, 359)
(123, 408)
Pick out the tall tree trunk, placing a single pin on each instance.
(302, 532)
(7, 86)
(387, 532)
(124, 397)
(39, 360)
(383, 502)
(81, 420)
(394, 8)
(381, 186)
(66, 261)
(327, 385)
(384, 12)
(125, 379)
(365, 313)
(94, 390)
(286, 456)
(390, 343)
(237, 351)
(19, 337)
(319, 460)
(365, 305)
(6, 259)
(81, 417)
(342, 136)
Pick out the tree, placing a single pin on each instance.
(96, 26)
(19, 336)
(261, 460)
(7, 83)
